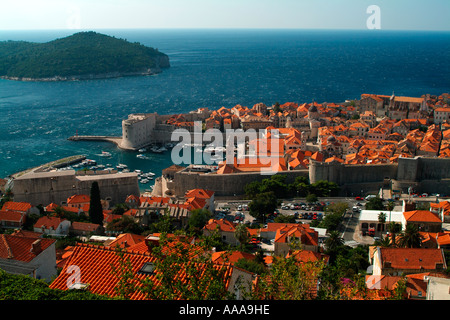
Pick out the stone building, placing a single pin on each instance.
(55, 187)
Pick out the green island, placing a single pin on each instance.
(83, 55)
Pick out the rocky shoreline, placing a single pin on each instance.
(110, 75)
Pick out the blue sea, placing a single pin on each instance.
(211, 68)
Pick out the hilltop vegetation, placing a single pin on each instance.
(81, 55)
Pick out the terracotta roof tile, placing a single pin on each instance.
(19, 247)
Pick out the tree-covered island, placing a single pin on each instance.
(83, 55)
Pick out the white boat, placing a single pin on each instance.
(155, 150)
(105, 154)
(121, 166)
(141, 156)
(144, 181)
(142, 150)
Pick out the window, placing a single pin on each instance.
(148, 268)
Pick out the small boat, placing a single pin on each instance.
(142, 150)
(144, 181)
(105, 154)
(141, 156)
(121, 166)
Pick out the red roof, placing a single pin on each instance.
(16, 206)
(306, 235)
(19, 247)
(48, 222)
(12, 216)
(96, 264)
(199, 193)
(78, 198)
(421, 216)
(230, 257)
(84, 226)
(413, 258)
(224, 225)
(125, 240)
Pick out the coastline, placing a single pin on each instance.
(111, 75)
(53, 164)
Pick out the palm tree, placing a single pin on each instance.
(390, 206)
(384, 242)
(382, 219)
(393, 229)
(334, 241)
(242, 235)
(410, 238)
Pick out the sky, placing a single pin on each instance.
(285, 14)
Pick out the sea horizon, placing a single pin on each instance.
(212, 68)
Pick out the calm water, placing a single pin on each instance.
(211, 68)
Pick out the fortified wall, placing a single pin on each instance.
(431, 175)
(222, 184)
(55, 187)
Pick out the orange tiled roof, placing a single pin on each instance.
(12, 216)
(96, 262)
(306, 235)
(199, 193)
(19, 247)
(48, 222)
(16, 206)
(84, 226)
(308, 255)
(78, 198)
(126, 240)
(230, 257)
(412, 258)
(421, 216)
(224, 225)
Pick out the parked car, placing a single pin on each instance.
(359, 198)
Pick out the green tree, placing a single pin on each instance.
(374, 204)
(120, 208)
(251, 266)
(125, 224)
(242, 235)
(126, 285)
(198, 219)
(410, 237)
(163, 225)
(334, 241)
(323, 188)
(95, 206)
(394, 228)
(263, 204)
(180, 275)
(390, 206)
(288, 279)
(311, 198)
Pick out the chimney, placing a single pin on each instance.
(151, 241)
(36, 247)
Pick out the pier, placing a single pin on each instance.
(115, 140)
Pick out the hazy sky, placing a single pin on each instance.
(318, 14)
